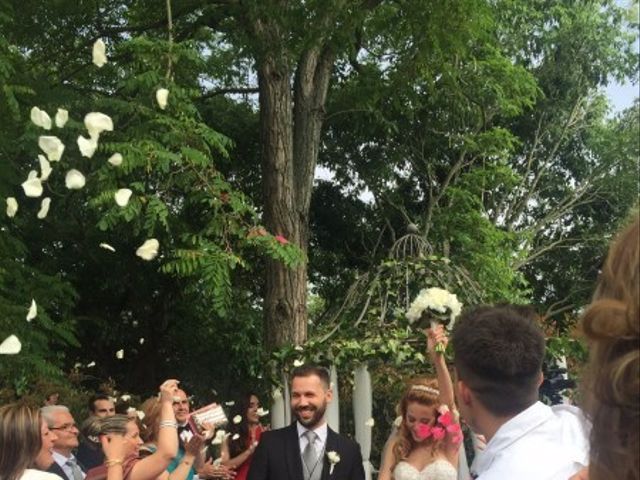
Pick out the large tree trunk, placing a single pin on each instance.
(290, 127)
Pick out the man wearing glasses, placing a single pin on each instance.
(60, 420)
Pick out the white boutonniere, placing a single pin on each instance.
(333, 458)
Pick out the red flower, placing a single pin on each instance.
(438, 433)
(281, 240)
(423, 431)
(445, 419)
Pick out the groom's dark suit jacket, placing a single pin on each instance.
(278, 457)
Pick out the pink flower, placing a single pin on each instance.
(445, 419)
(442, 409)
(454, 429)
(456, 439)
(438, 433)
(281, 240)
(423, 431)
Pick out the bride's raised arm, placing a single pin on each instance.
(445, 385)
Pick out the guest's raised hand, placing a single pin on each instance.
(194, 445)
(168, 390)
(114, 447)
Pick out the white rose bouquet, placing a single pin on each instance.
(433, 306)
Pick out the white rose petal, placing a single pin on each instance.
(162, 95)
(298, 348)
(126, 398)
(120, 354)
(122, 197)
(96, 123)
(62, 116)
(32, 187)
(115, 160)
(10, 346)
(397, 422)
(106, 246)
(230, 404)
(92, 364)
(236, 436)
(44, 208)
(237, 419)
(87, 146)
(40, 118)
(262, 412)
(12, 207)
(370, 423)
(77, 365)
(33, 311)
(99, 56)
(298, 363)
(148, 250)
(32, 174)
(74, 180)
(140, 414)
(141, 341)
(45, 168)
(52, 146)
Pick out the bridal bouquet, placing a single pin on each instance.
(433, 306)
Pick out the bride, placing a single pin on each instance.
(426, 444)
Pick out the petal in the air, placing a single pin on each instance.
(10, 346)
(149, 249)
(115, 160)
(122, 197)
(97, 122)
(120, 354)
(162, 96)
(45, 168)
(33, 311)
(40, 118)
(62, 116)
(12, 207)
(52, 146)
(106, 246)
(87, 146)
(74, 180)
(44, 208)
(99, 55)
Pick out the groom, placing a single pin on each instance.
(308, 449)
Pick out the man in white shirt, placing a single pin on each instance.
(498, 361)
(60, 420)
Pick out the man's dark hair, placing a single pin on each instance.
(96, 397)
(498, 354)
(308, 370)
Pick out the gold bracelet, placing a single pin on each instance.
(114, 462)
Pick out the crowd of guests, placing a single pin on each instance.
(498, 355)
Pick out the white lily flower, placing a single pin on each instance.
(87, 146)
(120, 354)
(45, 168)
(237, 419)
(52, 146)
(74, 180)
(10, 346)
(122, 197)
(33, 311)
(44, 208)
(32, 186)
(40, 118)
(91, 364)
(106, 246)
(12, 207)
(115, 160)
(96, 123)
(62, 117)
(99, 55)
(149, 249)
(370, 423)
(162, 96)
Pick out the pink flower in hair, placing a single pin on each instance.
(438, 433)
(281, 240)
(445, 419)
(423, 431)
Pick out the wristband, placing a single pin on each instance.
(114, 462)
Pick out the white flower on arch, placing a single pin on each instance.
(12, 207)
(99, 55)
(87, 146)
(32, 186)
(10, 346)
(44, 208)
(122, 197)
(97, 122)
(115, 159)
(33, 311)
(162, 97)
(62, 116)
(74, 180)
(40, 118)
(45, 168)
(52, 146)
(149, 249)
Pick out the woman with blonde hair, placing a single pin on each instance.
(612, 382)
(427, 442)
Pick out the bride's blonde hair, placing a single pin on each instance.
(425, 392)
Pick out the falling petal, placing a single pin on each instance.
(97, 122)
(120, 354)
(370, 423)
(115, 160)
(92, 364)
(162, 95)
(87, 146)
(44, 208)
(122, 197)
(74, 180)
(106, 246)
(62, 116)
(237, 419)
(10, 346)
(32, 187)
(230, 404)
(262, 412)
(149, 249)
(45, 168)
(33, 311)
(141, 341)
(298, 363)
(12, 207)
(140, 414)
(40, 118)
(235, 436)
(52, 146)
(99, 55)
(126, 398)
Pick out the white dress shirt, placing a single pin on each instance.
(321, 438)
(62, 461)
(540, 443)
(30, 474)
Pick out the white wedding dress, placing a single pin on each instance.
(441, 469)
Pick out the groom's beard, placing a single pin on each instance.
(313, 420)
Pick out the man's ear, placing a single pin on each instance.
(329, 394)
(464, 393)
(540, 379)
